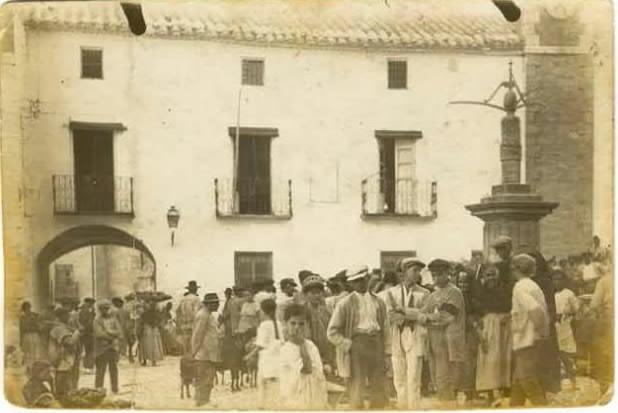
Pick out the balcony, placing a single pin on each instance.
(92, 195)
(254, 198)
(399, 198)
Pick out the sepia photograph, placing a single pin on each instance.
(307, 204)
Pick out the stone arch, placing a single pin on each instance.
(73, 239)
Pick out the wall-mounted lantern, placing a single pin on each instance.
(173, 216)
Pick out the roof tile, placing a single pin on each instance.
(449, 24)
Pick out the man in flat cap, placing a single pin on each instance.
(187, 308)
(530, 327)
(318, 317)
(360, 328)
(338, 288)
(107, 334)
(288, 296)
(408, 336)
(445, 315)
(205, 347)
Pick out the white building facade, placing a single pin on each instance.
(340, 162)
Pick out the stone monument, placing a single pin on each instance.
(513, 208)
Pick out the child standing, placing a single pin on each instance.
(268, 344)
(301, 377)
(567, 306)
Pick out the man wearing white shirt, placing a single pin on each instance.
(530, 325)
(408, 337)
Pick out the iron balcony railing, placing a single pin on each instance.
(399, 197)
(92, 195)
(253, 198)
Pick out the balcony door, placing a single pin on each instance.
(404, 176)
(397, 169)
(253, 185)
(93, 152)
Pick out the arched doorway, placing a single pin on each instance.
(74, 239)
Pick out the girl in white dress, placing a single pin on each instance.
(301, 375)
(268, 344)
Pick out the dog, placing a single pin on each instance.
(188, 374)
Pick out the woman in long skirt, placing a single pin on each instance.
(150, 344)
(493, 369)
(30, 335)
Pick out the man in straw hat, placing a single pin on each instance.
(360, 328)
(445, 316)
(530, 327)
(408, 335)
(185, 314)
(205, 347)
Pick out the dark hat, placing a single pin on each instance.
(89, 300)
(38, 367)
(312, 281)
(340, 276)
(302, 274)
(192, 286)
(61, 312)
(287, 281)
(117, 300)
(438, 264)
(210, 298)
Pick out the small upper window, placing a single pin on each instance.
(253, 72)
(397, 74)
(92, 63)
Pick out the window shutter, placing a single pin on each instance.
(253, 72)
(92, 63)
(397, 74)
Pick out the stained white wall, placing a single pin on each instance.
(177, 99)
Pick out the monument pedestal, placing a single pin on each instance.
(512, 210)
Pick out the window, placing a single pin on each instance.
(397, 74)
(389, 259)
(64, 285)
(92, 63)
(250, 267)
(253, 72)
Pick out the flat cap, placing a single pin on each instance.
(410, 262)
(287, 281)
(210, 298)
(501, 241)
(438, 263)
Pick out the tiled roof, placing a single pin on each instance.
(414, 24)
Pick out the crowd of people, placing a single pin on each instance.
(508, 329)
(73, 338)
